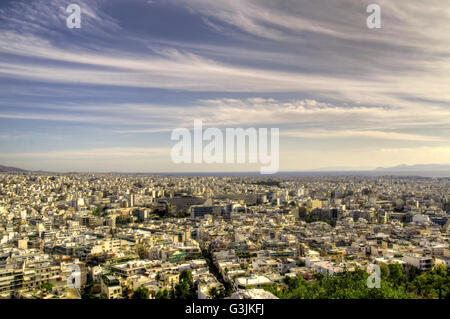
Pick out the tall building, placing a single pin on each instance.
(131, 200)
(201, 211)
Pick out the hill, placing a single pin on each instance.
(9, 169)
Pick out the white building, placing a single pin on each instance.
(421, 262)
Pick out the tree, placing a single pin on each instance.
(181, 290)
(433, 284)
(212, 292)
(441, 280)
(186, 275)
(396, 274)
(162, 294)
(184, 289)
(217, 293)
(126, 292)
(345, 285)
(385, 273)
(141, 293)
(96, 211)
(90, 290)
(46, 286)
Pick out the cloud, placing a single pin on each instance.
(93, 154)
(311, 68)
(346, 134)
(304, 118)
(48, 17)
(167, 67)
(344, 19)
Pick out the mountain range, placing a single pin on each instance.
(401, 169)
(9, 169)
(415, 168)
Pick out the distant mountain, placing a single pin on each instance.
(341, 169)
(416, 168)
(9, 169)
(434, 170)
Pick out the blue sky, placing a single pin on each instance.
(106, 97)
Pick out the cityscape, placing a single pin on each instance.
(146, 236)
(218, 157)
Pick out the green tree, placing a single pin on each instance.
(162, 294)
(96, 211)
(184, 289)
(181, 290)
(126, 292)
(433, 284)
(186, 276)
(141, 293)
(396, 274)
(385, 273)
(217, 293)
(46, 286)
(345, 285)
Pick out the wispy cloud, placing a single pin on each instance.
(297, 118)
(95, 153)
(311, 68)
(345, 134)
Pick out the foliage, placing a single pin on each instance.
(126, 292)
(141, 293)
(268, 183)
(245, 254)
(162, 294)
(186, 276)
(182, 214)
(184, 289)
(46, 286)
(217, 293)
(96, 211)
(89, 291)
(434, 284)
(397, 282)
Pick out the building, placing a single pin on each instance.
(111, 287)
(418, 261)
(251, 282)
(201, 211)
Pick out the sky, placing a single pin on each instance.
(106, 96)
